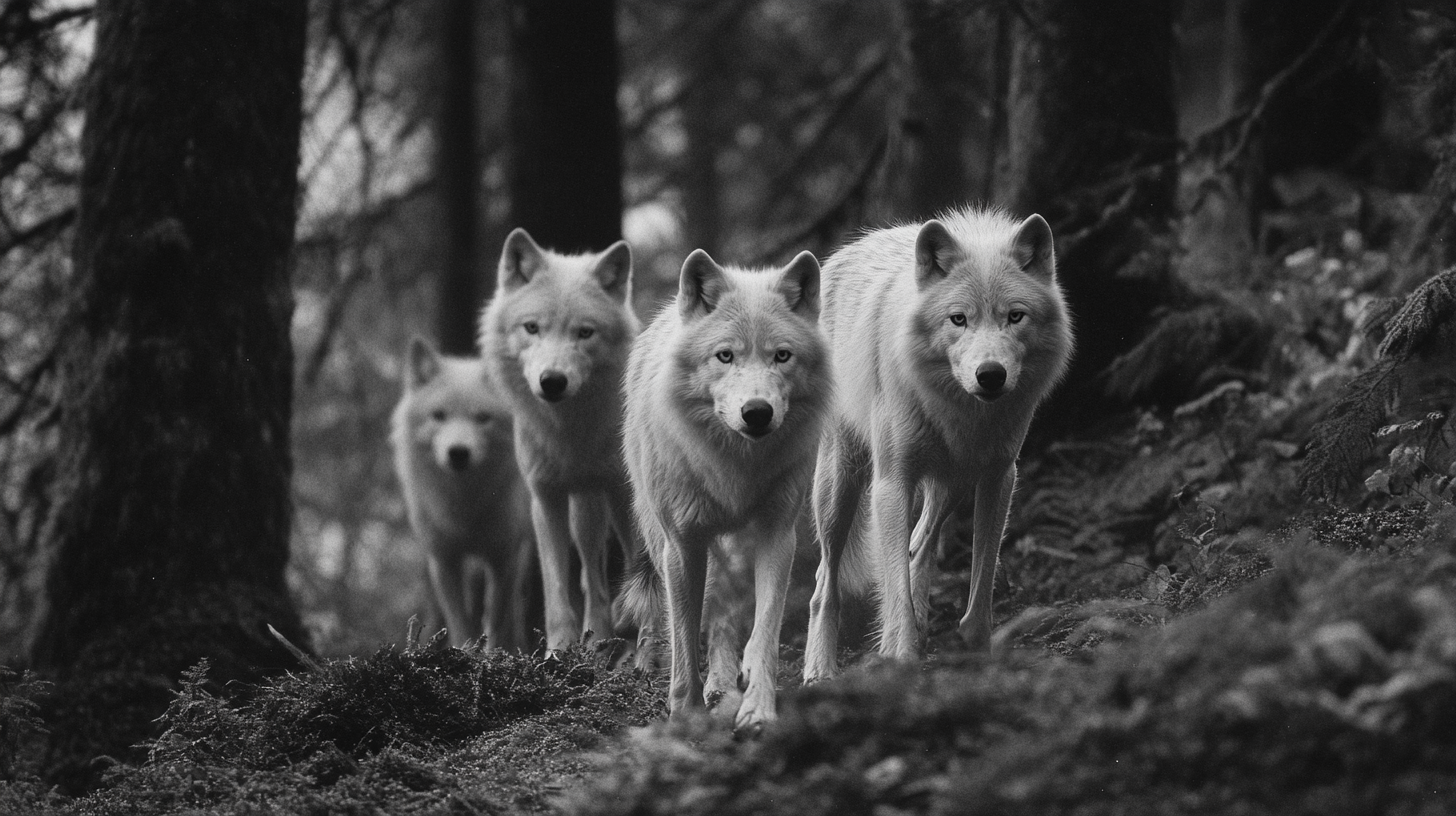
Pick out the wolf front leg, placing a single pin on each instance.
(773, 557)
(589, 531)
(993, 500)
(550, 516)
(725, 607)
(685, 574)
(447, 579)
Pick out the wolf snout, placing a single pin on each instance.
(553, 385)
(757, 417)
(991, 377)
(458, 456)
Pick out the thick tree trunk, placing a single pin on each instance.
(566, 141)
(170, 533)
(1091, 143)
(463, 281)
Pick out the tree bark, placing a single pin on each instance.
(1091, 146)
(566, 141)
(171, 522)
(464, 281)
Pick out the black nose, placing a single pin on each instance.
(991, 376)
(553, 385)
(757, 414)
(459, 457)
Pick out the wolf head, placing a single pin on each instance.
(990, 305)
(751, 350)
(558, 318)
(449, 410)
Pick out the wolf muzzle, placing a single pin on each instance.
(757, 417)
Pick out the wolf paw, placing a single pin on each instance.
(754, 713)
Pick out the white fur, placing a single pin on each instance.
(467, 504)
(567, 316)
(717, 491)
(919, 318)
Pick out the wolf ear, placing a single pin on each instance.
(1033, 247)
(521, 258)
(700, 285)
(422, 362)
(799, 284)
(614, 271)
(935, 253)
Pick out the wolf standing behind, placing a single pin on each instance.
(725, 394)
(556, 337)
(466, 502)
(945, 337)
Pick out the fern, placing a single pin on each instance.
(1197, 339)
(1341, 440)
(1426, 313)
(1424, 322)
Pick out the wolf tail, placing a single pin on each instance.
(639, 601)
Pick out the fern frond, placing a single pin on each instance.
(1344, 437)
(1425, 310)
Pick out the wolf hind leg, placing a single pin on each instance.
(838, 492)
(924, 545)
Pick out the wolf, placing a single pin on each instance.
(467, 504)
(944, 338)
(555, 338)
(725, 393)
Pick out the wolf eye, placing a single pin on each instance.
(585, 331)
(725, 356)
(482, 418)
(1015, 316)
(782, 356)
(531, 327)
(437, 415)
(958, 319)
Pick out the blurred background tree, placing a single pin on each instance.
(1231, 183)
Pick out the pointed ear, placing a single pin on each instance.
(799, 284)
(1033, 248)
(935, 253)
(520, 260)
(422, 362)
(700, 285)
(614, 271)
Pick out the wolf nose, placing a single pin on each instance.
(459, 457)
(553, 385)
(757, 414)
(991, 376)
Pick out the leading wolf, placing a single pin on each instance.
(466, 501)
(725, 394)
(945, 336)
(556, 337)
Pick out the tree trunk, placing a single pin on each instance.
(566, 172)
(463, 281)
(1091, 146)
(170, 533)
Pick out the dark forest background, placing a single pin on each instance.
(1253, 204)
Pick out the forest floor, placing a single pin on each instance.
(1178, 632)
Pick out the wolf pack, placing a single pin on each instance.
(891, 388)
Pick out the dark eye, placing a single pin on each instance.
(482, 418)
(531, 327)
(958, 319)
(783, 356)
(437, 415)
(725, 356)
(1015, 316)
(585, 331)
